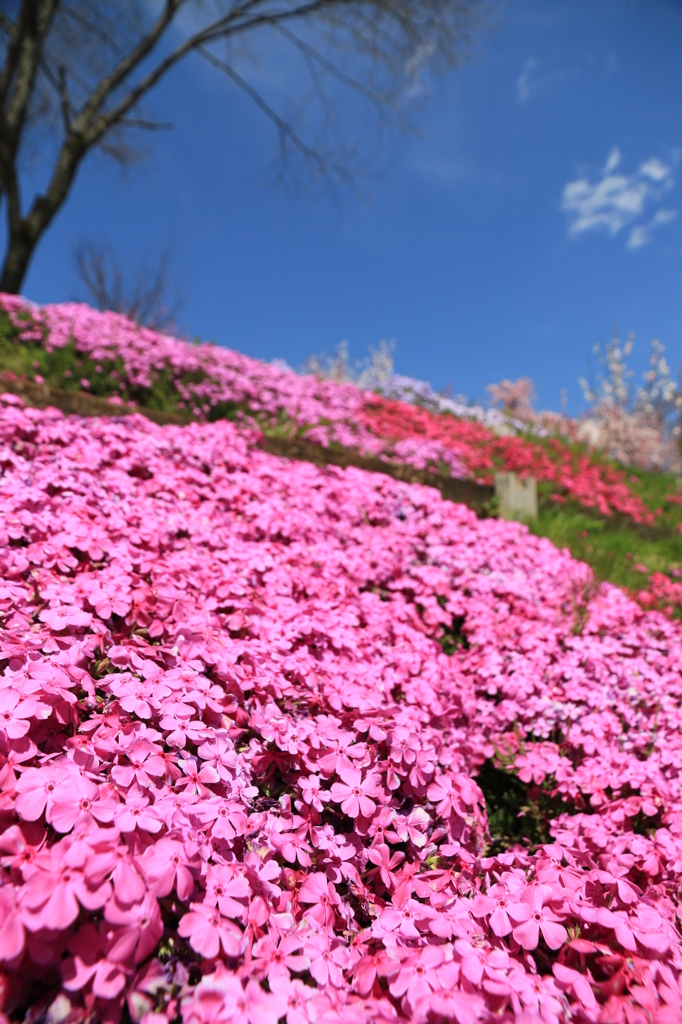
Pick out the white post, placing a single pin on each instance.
(517, 496)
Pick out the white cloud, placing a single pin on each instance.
(641, 234)
(655, 169)
(617, 200)
(613, 160)
(532, 81)
(523, 82)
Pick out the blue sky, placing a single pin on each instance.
(540, 205)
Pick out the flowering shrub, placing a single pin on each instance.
(245, 709)
(376, 373)
(641, 429)
(515, 397)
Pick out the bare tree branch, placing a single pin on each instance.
(81, 69)
(285, 131)
(148, 295)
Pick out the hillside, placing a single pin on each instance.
(287, 742)
(624, 523)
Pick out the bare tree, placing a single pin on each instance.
(147, 293)
(79, 70)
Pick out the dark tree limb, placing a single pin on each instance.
(100, 66)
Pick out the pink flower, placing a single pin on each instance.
(495, 906)
(75, 799)
(139, 929)
(137, 813)
(294, 998)
(116, 862)
(166, 866)
(274, 954)
(35, 790)
(579, 983)
(12, 935)
(450, 794)
(293, 846)
(220, 998)
(479, 962)
(197, 779)
(141, 765)
(208, 931)
(228, 817)
(386, 862)
(312, 792)
(227, 891)
(326, 963)
(16, 714)
(403, 920)
(532, 916)
(137, 696)
(54, 890)
(320, 892)
(89, 965)
(354, 793)
(417, 977)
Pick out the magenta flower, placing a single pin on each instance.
(532, 916)
(326, 962)
(12, 934)
(418, 976)
(35, 790)
(354, 793)
(167, 866)
(77, 799)
(139, 929)
(274, 954)
(209, 932)
(317, 890)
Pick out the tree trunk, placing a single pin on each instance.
(19, 253)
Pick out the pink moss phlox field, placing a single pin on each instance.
(325, 411)
(243, 710)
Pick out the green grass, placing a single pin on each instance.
(518, 813)
(615, 546)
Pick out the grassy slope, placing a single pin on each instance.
(618, 549)
(613, 546)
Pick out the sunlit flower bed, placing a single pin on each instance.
(209, 381)
(576, 475)
(244, 708)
